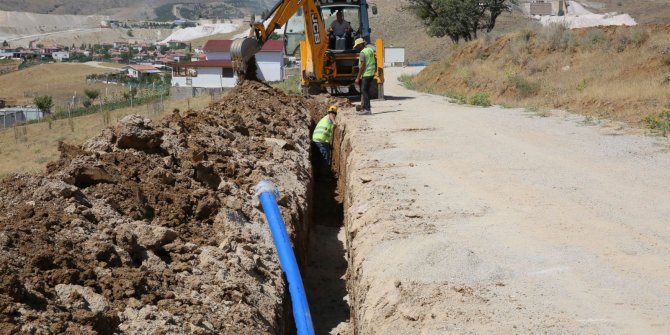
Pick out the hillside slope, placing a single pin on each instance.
(643, 11)
(615, 72)
(139, 9)
(402, 28)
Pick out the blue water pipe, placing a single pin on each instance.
(268, 194)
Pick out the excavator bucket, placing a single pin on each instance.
(242, 53)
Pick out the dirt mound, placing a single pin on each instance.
(154, 228)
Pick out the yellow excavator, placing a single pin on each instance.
(324, 65)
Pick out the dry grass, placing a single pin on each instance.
(59, 80)
(40, 145)
(613, 72)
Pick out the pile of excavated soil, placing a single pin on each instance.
(154, 228)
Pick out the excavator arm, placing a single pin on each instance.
(243, 49)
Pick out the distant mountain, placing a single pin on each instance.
(120, 7)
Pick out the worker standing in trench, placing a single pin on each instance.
(323, 139)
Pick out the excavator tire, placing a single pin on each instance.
(314, 89)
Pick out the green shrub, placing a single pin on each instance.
(407, 80)
(553, 35)
(526, 34)
(568, 40)
(538, 111)
(92, 93)
(464, 72)
(593, 37)
(659, 122)
(87, 103)
(524, 87)
(290, 86)
(639, 36)
(666, 79)
(458, 98)
(665, 55)
(480, 99)
(582, 85)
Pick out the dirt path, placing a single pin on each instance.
(488, 220)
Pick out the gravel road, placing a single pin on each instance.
(464, 219)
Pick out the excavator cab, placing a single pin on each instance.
(294, 30)
(326, 61)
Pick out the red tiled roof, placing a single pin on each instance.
(273, 46)
(217, 45)
(206, 63)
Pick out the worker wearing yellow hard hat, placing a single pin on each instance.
(323, 140)
(367, 67)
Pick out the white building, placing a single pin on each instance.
(60, 55)
(10, 116)
(138, 71)
(270, 59)
(204, 74)
(7, 53)
(217, 49)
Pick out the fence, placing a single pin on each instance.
(103, 106)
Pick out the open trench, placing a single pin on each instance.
(325, 278)
(326, 274)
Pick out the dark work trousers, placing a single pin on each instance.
(366, 83)
(323, 159)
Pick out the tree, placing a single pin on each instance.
(130, 94)
(92, 94)
(44, 103)
(5, 44)
(458, 19)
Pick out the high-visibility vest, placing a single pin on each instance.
(323, 131)
(370, 62)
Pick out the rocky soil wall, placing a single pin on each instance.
(153, 228)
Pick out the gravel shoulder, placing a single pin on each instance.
(462, 219)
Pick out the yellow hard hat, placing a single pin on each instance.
(332, 109)
(359, 41)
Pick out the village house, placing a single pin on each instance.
(217, 49)
(8, 53)
(270, 58)
(214, 71)
(139, 71)
(204, 74)
(60, 55)
(120, 44)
